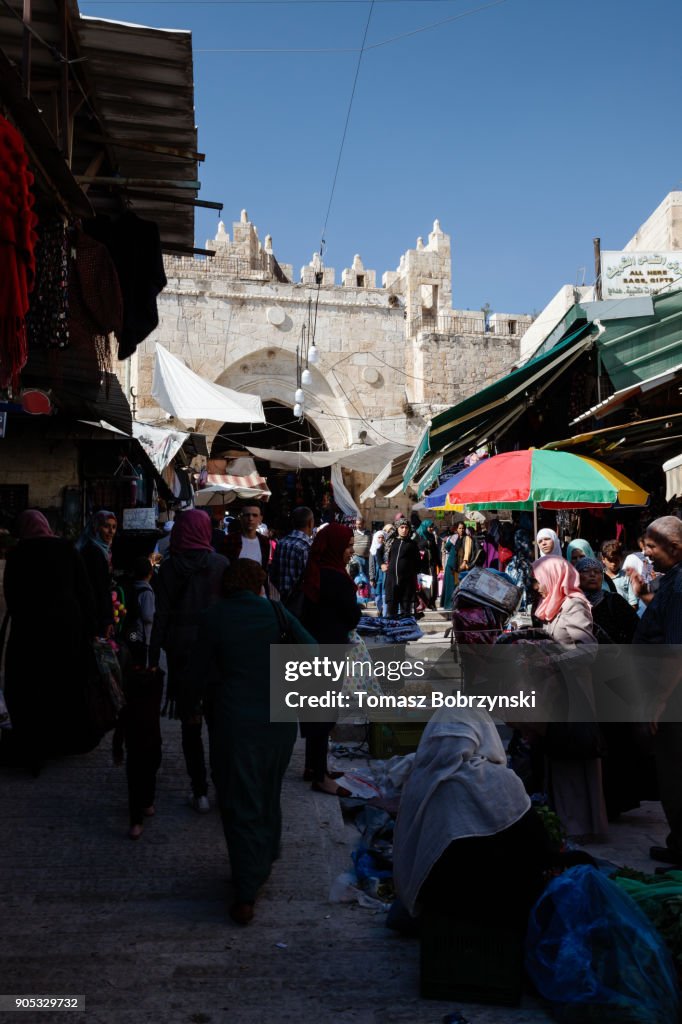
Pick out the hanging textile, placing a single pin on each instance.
(17, 252)
(135, 247)
(95, 301)
(47, 322)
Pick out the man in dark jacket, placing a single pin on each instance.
(401, 573)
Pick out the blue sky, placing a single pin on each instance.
(527, 128)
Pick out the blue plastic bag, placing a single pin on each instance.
(594, 955)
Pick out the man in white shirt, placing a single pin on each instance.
(248, 543)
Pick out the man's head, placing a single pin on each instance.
(359, 523)
(303, 520)
(663, 542)
(142, 568)
(244, 574)
(250, 518)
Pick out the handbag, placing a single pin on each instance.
(104, 693)
(285, 634)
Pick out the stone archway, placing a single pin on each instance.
(282, 430)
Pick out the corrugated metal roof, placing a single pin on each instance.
(138, 110)
(634, 350)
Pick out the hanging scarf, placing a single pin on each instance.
(32, 524)
(520, 569)
(560, 581)
(90, 534)
(193, 531)
(556, 550)
(326, 552)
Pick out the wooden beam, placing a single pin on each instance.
(154, 183)
(43, 149)
(26, 44)
(172, 247)
(144, 147)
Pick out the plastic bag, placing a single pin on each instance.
(594, 955)
(105, 690)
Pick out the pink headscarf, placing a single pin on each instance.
(560, 580)
(32, 524)
(193, 531)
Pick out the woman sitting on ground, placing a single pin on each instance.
(467, 843)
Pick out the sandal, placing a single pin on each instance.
(341, 791)
(135, 831)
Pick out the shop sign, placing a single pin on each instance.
(139, 518)
(639, 273)
(36, 402)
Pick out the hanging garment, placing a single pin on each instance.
(135, 247)
(95, 300)
(47, 322)
(17, 252)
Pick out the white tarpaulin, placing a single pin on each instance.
(369, 458)
(160, 444)
(342, 496)
(673, 477)
(185, 394)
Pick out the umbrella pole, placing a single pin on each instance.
(535, 526)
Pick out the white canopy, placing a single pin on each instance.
(370, 458)
(185, 394)
(673, 477)
(160, 443)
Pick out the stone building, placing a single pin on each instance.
(388, 357)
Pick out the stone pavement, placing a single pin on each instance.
(141, 929)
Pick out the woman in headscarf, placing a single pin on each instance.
(520, 568)
(460, 552)
(401, 572)
(249, 753)
(52, 624)
(94, 545)
(575, 783)
(377, 574)
(625, 770)
(187, 583)
(467, 843)
(330, 612)
(429, 555)
(548, 543)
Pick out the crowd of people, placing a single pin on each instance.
(203, 610)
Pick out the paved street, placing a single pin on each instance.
(141, 928)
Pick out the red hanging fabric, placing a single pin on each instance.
(17, 260)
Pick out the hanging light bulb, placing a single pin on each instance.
(298, 410)
(299, 397)
(306, 376)
(313, 354)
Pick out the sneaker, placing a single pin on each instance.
(199, 803)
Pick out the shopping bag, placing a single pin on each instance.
(104, 693)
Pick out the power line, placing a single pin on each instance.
(364, 49)
(345, 127)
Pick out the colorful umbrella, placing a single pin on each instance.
(550, 479)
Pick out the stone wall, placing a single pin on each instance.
(47, 468)
(389, 357)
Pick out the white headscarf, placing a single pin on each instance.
(459, 787)
(556, 550)
(376, 543)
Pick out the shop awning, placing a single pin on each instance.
(640, 438)
(370, 458)
(615, 401)
(673, 477)
(389, 482)
(242, 481)
(636, 349)
(470, 423)
(186, 395)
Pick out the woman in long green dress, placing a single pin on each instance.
(249, 754)
(459, 551)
